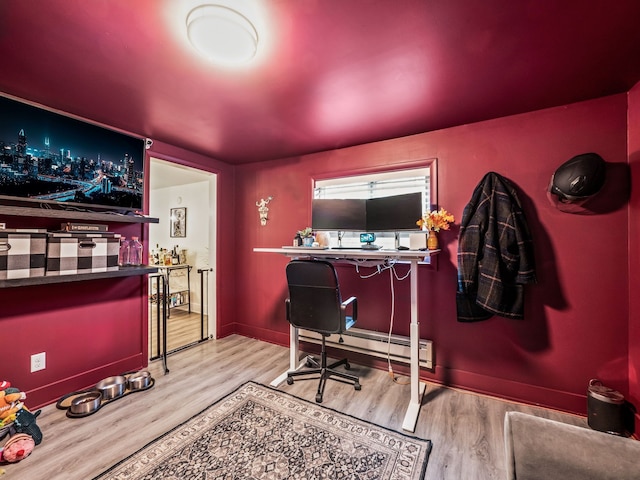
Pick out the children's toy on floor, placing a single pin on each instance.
(25, 422)
(11, 401)
(19, 423)
(17, 448)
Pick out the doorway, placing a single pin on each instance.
(182, 245)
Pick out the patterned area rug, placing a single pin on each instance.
(257, 432)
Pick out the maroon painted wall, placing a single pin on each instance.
(89, 330)
(98, 328)
(577, 318)
(634, 251)
(576, 323)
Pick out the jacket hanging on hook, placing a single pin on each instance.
(495, 253)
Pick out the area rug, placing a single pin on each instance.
(258, 432)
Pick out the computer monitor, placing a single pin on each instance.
(395, 213)
(339, 214)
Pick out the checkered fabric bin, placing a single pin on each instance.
(22, 255)
(71, 253)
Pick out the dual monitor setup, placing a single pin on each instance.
(385, 214)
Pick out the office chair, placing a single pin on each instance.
(315, 304)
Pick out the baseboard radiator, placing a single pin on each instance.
(376, 344)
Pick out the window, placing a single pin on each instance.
(376, 185)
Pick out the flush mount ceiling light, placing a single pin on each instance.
(222, 34)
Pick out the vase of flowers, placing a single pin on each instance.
(435, 221)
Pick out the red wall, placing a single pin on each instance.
(576, 323)
(577, 318)
(94, 329)
(89, 330)
(634, 250)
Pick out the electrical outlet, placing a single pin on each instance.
(38, 362)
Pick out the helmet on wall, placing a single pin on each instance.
(579, 178)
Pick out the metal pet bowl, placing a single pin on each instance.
(112, 387)
(139, 380)
(86, 403)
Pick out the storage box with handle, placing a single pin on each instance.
(73, 253)
(22, 255)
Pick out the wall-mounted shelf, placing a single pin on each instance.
(47, 280)
(73, 214)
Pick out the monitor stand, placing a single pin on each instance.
(370, 246)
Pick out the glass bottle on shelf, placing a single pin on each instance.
(154, 258)
(123, 253)
(135, 252)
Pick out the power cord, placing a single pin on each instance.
(392, 274)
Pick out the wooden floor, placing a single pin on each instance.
(183, 328)
(466, 429)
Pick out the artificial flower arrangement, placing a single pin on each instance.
(306, 233)
(436, 220)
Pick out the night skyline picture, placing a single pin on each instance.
(49, 157)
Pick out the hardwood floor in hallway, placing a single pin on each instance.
(183, 328)
(466, 429)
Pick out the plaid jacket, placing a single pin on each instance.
(495, 253)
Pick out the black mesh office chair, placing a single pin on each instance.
(315, 304)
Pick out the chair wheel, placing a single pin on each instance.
(347, 366)
(308, 364)
(357, 386)
(318, 398)
(289, 381)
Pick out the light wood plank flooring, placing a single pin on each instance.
(183, 328)
(466, 429)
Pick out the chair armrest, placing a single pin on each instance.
(353, 301)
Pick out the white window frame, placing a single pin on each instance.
(415, 178)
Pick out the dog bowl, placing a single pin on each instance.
(86, 403)
(139, 380)
(112, 387)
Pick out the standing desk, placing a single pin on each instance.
(369, 257)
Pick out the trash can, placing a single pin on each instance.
(605, 408)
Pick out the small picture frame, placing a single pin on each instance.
(178, 222)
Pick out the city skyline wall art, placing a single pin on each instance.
(48, 157)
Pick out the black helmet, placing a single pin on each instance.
(579, 178)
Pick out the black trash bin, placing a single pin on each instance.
(605, 408)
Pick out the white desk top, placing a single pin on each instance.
(356, 253)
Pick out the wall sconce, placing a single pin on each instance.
(263, 210)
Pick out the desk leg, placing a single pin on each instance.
(417, 388)
(294, 353)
